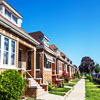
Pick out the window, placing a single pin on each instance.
(7, 14)
(60, 66)
(6, 50)
(12, 52)
(14, 19)
(47, 64)
(37, 61)
(29, 60)
(41, 38)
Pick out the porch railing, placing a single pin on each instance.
(39, 75)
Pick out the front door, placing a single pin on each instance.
(20, 59)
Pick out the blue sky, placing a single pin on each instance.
(73, 25)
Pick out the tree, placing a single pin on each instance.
(87, 65)
(97, 68)
(11, 85)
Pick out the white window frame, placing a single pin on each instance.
(6, 51)
(60, 66)
(11, 18)
(7, 15)
(7, 66)
(13, 53)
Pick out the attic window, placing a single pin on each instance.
(14, 19)
(7, 14)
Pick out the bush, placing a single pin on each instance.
(89, 77)
(77, 75)
(11, 85)
(49, 87)
(66, 77)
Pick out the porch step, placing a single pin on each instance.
(34, 84)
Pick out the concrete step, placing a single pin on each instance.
(40, 89)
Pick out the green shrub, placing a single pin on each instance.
(11, 85)
(77, 75)
(49, 87)
(89, 77)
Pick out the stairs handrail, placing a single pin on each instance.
(29, 74)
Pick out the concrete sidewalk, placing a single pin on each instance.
(78, 93)
(51, 97)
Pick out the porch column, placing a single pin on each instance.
(42, 65)
(70, 71)
(17, 52)
(66, 68)
(57, 67)
(54, 67)
(33, 63)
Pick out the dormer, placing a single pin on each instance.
(45, 41)
(40, 37)
(55, 49)
(10, 13)
(58, 52)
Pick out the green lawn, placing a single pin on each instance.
(59, 91)
(69, 84)
(92, 91)
(63, 91)
(75, 80)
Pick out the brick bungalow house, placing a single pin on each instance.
(63, 63)
(28, 54)
(46, 59)
(17, 48)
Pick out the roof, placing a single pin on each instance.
(62, 54)
(53, 47)
(8, 5)
(37, 35)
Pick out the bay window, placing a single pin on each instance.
(12, 52)
(7, 52)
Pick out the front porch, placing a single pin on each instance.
(26, 60)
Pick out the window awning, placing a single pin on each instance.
(49, 58)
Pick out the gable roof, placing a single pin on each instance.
(62, 54)
(37, 35)
(53, 47)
